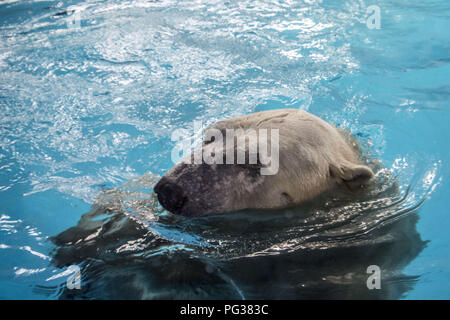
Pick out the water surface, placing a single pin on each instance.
(90, 92)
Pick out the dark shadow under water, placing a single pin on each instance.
(128, 248)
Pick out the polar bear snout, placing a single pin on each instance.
(170, 195)
(193, 190)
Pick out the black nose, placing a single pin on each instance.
(170, 195)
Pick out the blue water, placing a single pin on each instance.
(90, 92)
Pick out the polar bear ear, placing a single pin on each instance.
(353, 175)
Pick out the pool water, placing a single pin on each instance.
(91, 91)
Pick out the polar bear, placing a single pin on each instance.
(313, 157)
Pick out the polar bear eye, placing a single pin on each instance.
(212, 139)
(286, 198)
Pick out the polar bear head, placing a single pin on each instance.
(265, 160)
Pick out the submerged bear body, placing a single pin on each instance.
(128, 249)
(313, 156)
